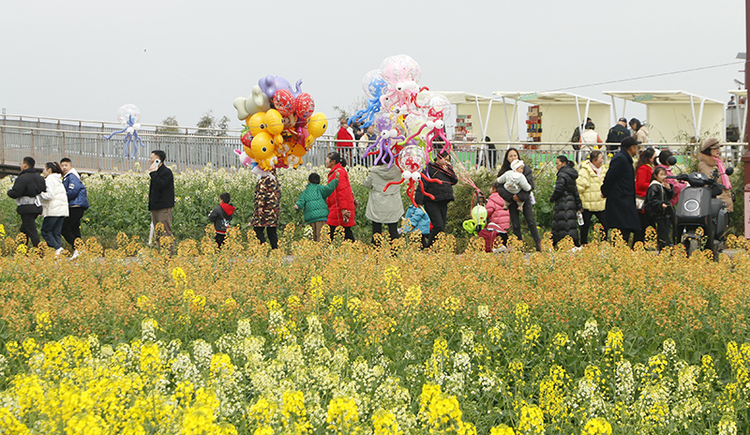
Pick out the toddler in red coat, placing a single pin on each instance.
(498, 219)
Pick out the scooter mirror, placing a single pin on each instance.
(729, 171)
(672, 160)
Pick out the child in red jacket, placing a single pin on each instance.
(498, 219)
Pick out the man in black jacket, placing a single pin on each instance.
(27, 186)
(161, 195)
(617, 133)
(619, 189)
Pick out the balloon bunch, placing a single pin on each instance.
(401, 121)
(129, 115)
(280, 124)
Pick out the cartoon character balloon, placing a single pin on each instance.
(412, 160)
(374, 86)
(129, 116)
(383, 148)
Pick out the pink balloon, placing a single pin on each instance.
(304, 106)
(283, 101)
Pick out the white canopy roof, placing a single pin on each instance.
(655, 97)
(458, 97)
(547, 97)
(676, 116)
(480, 108)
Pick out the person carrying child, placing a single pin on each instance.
(312, 201)
(416, 219)
(498, 219)
(221, 216)
(513, 182)
(659, 207)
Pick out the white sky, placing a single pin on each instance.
(84, 59)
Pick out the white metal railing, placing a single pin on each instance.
(48, 139)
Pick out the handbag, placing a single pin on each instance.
(640, 201)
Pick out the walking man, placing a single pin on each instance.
(78, 202)
(161, 196)
(619, 190)
(25, 189)
(617, 133)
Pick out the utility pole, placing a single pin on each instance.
(746, 157)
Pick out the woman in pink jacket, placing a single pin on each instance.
(498, 219)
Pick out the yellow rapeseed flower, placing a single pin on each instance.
(597, 426)
(179, 276)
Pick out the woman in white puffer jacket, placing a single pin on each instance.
(54, 206)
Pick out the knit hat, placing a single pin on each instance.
(710, 143)
(515, 164)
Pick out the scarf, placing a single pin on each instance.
(724, 177)
(597, 171)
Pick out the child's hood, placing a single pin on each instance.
(496, 198)
(228, 209)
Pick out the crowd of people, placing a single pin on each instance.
(631, 194)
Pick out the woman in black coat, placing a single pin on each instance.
(619, 189)
(528, 211)
(567, 202)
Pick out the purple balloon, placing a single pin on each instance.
(270, 84)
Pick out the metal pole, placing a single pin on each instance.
(746, 157)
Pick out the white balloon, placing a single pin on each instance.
(406, 175)
(439, 124)
(125, 112)
(430, 125)
(393, 133)
(137, 126)
(130, 130)
(416, 176)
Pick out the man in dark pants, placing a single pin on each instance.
(78, 202)
(619, 189)
(161, 195)
(27, 186)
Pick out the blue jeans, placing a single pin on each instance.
(52, 231)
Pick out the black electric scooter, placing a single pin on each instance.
(700, 207)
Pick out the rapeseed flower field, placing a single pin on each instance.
(335, 337)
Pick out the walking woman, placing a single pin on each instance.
(590, 179)
(267, 209)
(567, 202)
(643, 171)
(341, 201)
(384, 206)
(54, 206)
(528, 212)
(437, 209)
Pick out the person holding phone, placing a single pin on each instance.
(161, 195)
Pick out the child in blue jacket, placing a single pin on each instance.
(418, 220)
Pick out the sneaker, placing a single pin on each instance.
(75, 254)
(58, 251)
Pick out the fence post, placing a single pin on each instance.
(746, 191)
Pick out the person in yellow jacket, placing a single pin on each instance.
(590, 179)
